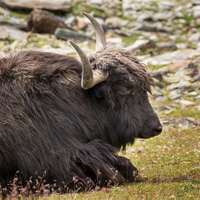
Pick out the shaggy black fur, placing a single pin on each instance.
(48, 123)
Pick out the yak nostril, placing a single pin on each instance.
(158, 130)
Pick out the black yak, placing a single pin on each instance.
(67, 118)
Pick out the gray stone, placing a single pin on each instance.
(14, 45)
(116, 22)
(198, 97)
(145, 27)
(166, 46)
(163, 16)
(144, 17)
(174, 93)
(65, 34)
(114, 41)
(47, 47)
(70, 20)
(157, 27)
(18, 25)
(141, 44)
(123, 31)
(161, 99)
(63, 5)
(6, 49)
(194, 93)
(167, 5)
(96, 2)
(180, 85)
(182, 46)
(178, 96)
(186, 103)
(8, 32)
(179, 15)
(156, 94)
(171, 57)
(3, 11)
(196, 13)
(194, 37)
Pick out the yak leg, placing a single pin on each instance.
(128, 171)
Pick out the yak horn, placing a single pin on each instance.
(100, 35)
(89, 77)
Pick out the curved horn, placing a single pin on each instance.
(89, 77)
(100, 35)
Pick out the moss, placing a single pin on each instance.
(130, 40)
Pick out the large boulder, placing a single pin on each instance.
(62, 5)
(40, 21)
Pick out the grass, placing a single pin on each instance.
(170, 163)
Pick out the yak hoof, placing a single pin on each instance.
(140, 179)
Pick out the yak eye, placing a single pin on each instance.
(124, 91)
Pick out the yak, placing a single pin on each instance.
(67, 119)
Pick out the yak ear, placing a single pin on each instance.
(89, 77)
(100, 35)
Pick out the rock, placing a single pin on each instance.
(114, 41)
(166, 46)
(20, 26)
(62, 5)
(151, 28)
(186, 103)
(178, 15)
(6, 49)
(145, 27)
(197, 21)
(123, 32)
(191, 69)
(196, 13)
(156, 94)
(168, 4)
(116, 22)
(81, 22)
(96, 2)
(65, 34)
(178, 96)
(165, 30)
(194, 37)
(70, 20)
(171, 57)
(8, 32)
(45, 47)
(141, 45)
(175, 94)
(14, 45)
(161, 99)
(3, 11)
(154, 37)
(180, 85)
(196, 3)
(182, 46)
(163, 16)
(144, 17)
(40, 21)
(158, 74)
(192, 93)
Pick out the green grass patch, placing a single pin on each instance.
(186, 112)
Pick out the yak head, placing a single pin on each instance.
(120, 85)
